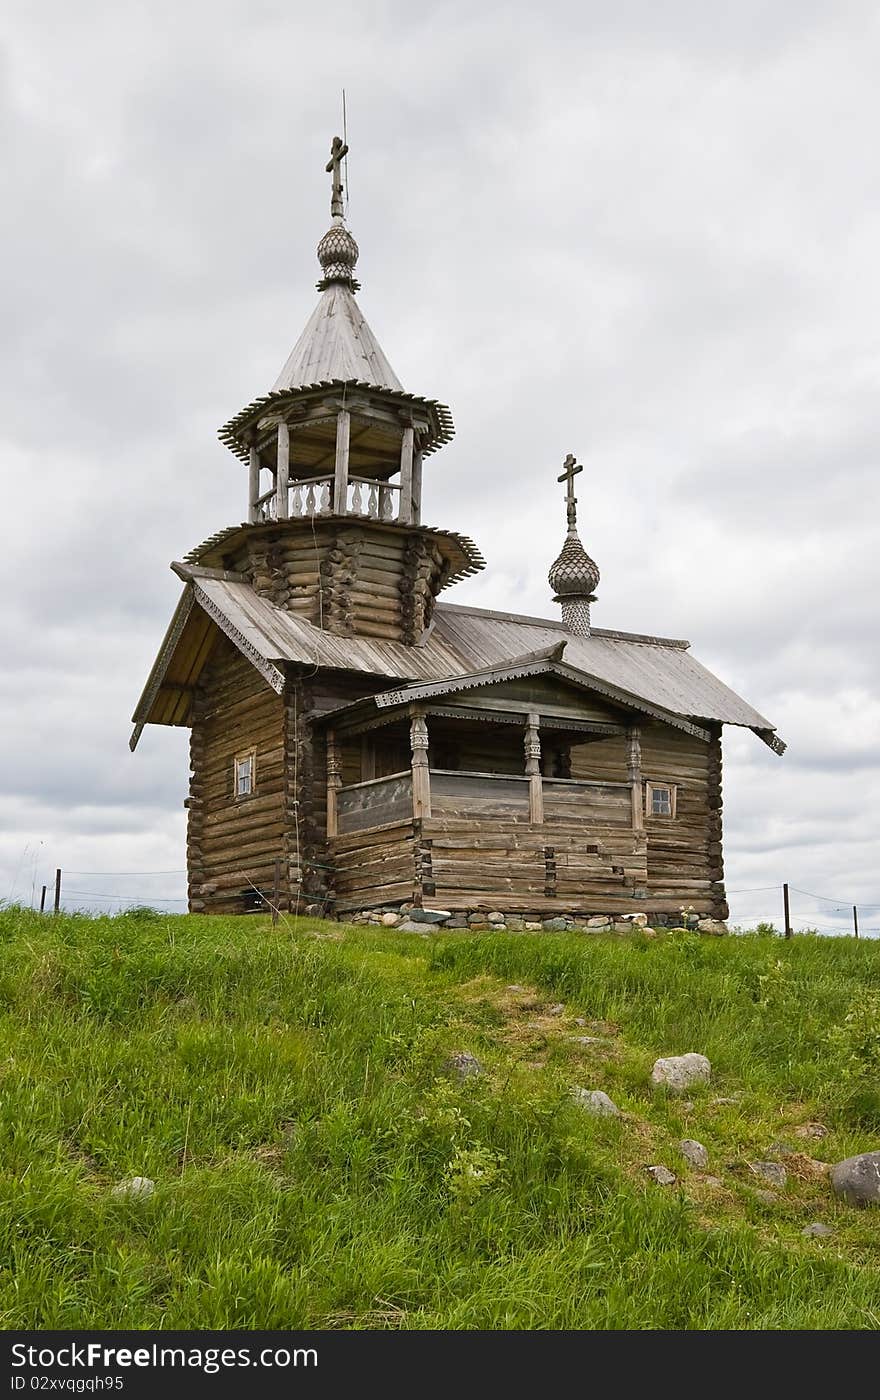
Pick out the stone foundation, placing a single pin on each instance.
(409, 918)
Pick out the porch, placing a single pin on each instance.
(438, 831)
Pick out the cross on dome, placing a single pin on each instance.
(570, 471)
(573, 575)
(338, 151)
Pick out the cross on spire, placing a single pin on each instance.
(338, 151)
(571, 470)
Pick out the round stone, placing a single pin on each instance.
(595, 1101)
(857, 1179)
(678, 1072)
(135, 1188)
(463, 1065)
(662, 1175)
(694, 1152)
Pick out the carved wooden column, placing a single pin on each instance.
(533, 770)
(282, 475)
(421, 776)
(406, 476)
(340, 481)
(634, 776)
(334, 782)
(253, 482)
(417, 489)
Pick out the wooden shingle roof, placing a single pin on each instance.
(337, 344)
(460, 642)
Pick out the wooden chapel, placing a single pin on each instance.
(358, 745)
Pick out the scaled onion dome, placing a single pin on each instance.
(573, 572)
(338, 255)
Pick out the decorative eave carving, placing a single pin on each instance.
(160, 666)
(270, 673)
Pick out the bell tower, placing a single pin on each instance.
(335, 452)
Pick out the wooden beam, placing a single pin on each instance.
(334, 783)
(417, 489)
(340, 483)
(253, 482)
(533, 770)
(421, 776)
(282, 473)
(634, 775)
(406, 477)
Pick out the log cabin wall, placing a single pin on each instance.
(312, 873)
(684, 852)
(685, 866)
(348, 577)
(232, 842)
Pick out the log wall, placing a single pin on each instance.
(475, 851)
(684, 853)
(560, 867)
(348, 577)
(233, 843)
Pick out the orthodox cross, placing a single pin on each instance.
(571, 471)
(338, 151)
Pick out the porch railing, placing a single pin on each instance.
(376, 802)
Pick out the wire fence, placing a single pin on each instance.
(826, 914)
(775, 909)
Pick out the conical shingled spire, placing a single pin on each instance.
(337, 343)
(573, 575)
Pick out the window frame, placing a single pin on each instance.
(244, 756)
(650, 788)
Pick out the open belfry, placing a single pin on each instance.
(359, 747)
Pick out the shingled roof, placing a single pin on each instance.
(461, 642)
(337, 344)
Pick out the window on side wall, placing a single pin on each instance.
(660, 799)
(244, 774)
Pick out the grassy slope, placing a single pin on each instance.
(314, 1168)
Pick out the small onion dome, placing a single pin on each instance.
(338, 255)
(574, 570)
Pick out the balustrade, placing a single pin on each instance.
(365, 498)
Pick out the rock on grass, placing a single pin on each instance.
(857, 1179)
(678, 1072)
(596, 1101)
(135, 1188)
(662, 1175)
(694, 1152)
(773, 1173)
(463, 1065)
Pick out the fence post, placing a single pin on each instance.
(43, 900)
(786, 909)
(855, 921)
(276, 892)
(57, 892)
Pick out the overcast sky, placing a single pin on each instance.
(646, 233)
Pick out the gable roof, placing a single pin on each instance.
(533, 664)
(337, 343)
(461, 642)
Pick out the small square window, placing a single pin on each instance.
(660, 799)
(244, 771)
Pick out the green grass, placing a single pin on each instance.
(315, 1166)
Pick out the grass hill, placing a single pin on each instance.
(315, 1164)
